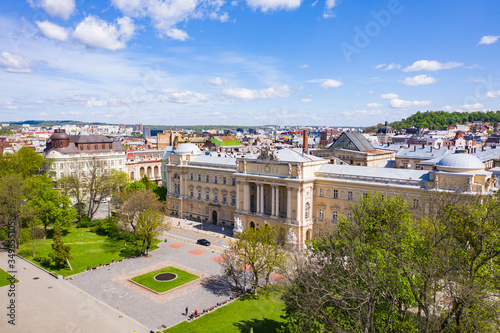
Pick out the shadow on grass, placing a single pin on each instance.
(264, 325)
(217, 285)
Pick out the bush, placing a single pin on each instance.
(44, 261)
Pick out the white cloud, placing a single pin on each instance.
(488, 40)
(389, 96)
(418, 80)
(43, 113)
(361, 113)
(431, 65)
(94, 32)
(165, 15)
(374, 105)
(249, 94)
(329, 5)
(267, 5)
(304, 66)
(15, 63)
(53, 31)
(55, 8)
(493, 94)
(448, 108)
(328, 83)
(173, 95)
(473, 107)
(218, 81)
(306, 100)
(402, 104)
(388, 67)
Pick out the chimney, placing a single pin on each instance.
(304, 145)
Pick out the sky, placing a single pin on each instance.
(247, 62)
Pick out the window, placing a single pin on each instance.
(88, 147)
(95, 146)
(81, 147)
(191, 193)
(176, 205)
(334, 216)
(199, 209)
(223, 214)
(415, 203)
(335, 194)
(307, 210)
(191, 176)
(233, 200)
(208, 179)
(321, 214)
(103, 146)
(234, 181)
(207, 195)
(349, 216)
(321, 192)
(224, 198)
(215, 179)
(216, 197)
(206, 210)
(349, 195)
(173, 204)
(224, 180)
(365, 195)
(199, 178)
(191, 208)
(199, 194)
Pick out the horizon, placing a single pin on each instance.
(250, 62)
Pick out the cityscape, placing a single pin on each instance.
(249, 166)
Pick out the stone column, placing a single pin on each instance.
(246, 196)
(273, 200)
(289, 203)
(277, 212)
(257, 199)
(238, 195)
(299, 205)
(261, 198)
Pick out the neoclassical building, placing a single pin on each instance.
(73, 153)
(303, 193)
(142, 163)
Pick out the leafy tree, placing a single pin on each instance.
(137, 203)
(13, 206)
(256, 248)
(61, 252)
(150, 225)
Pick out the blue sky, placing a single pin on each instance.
(247, 62)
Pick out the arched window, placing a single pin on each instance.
(321, 214)
(334, 216)
(307, 210)
(224, 197)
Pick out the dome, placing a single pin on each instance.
(386, 129)
(59, 135)
(460, 162)
(187, 148)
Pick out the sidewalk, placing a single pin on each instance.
(219, 231)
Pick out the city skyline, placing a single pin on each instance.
(253, 62)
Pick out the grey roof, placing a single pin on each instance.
(375, 173)
(352, 141)
(228, 161)
(89, 139)
(289, 155)
(423, 153)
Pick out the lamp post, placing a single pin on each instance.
(245, 274)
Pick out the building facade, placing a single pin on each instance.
(301, 192)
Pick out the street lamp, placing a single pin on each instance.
(245, 274)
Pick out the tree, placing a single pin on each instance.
(61, 252)
(26, 162)
(256, 248)
(137, 203)
(13, 207)
(150, 225)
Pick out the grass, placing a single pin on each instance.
(262, 313)
(88, 249)
(147, 280)
(5, 278)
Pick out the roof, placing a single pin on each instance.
(422, 153)
(352, 141)
(371, 172)
(89, 139)
(460, 161)
(187, 148)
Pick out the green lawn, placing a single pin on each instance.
(262, 313)
(148, 280)
(87, 248)
(4, 278)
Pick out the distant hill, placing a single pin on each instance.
(439, 120)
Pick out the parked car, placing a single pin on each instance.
(203, 242)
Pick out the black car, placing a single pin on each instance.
(203, 242)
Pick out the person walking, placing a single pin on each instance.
(187, 310)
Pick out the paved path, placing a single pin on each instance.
(46, 304)
(110, 284)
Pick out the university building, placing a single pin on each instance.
(301, 192)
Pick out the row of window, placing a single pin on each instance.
(95, 146)
(336, 194)
(333, 216)
(215, 179)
